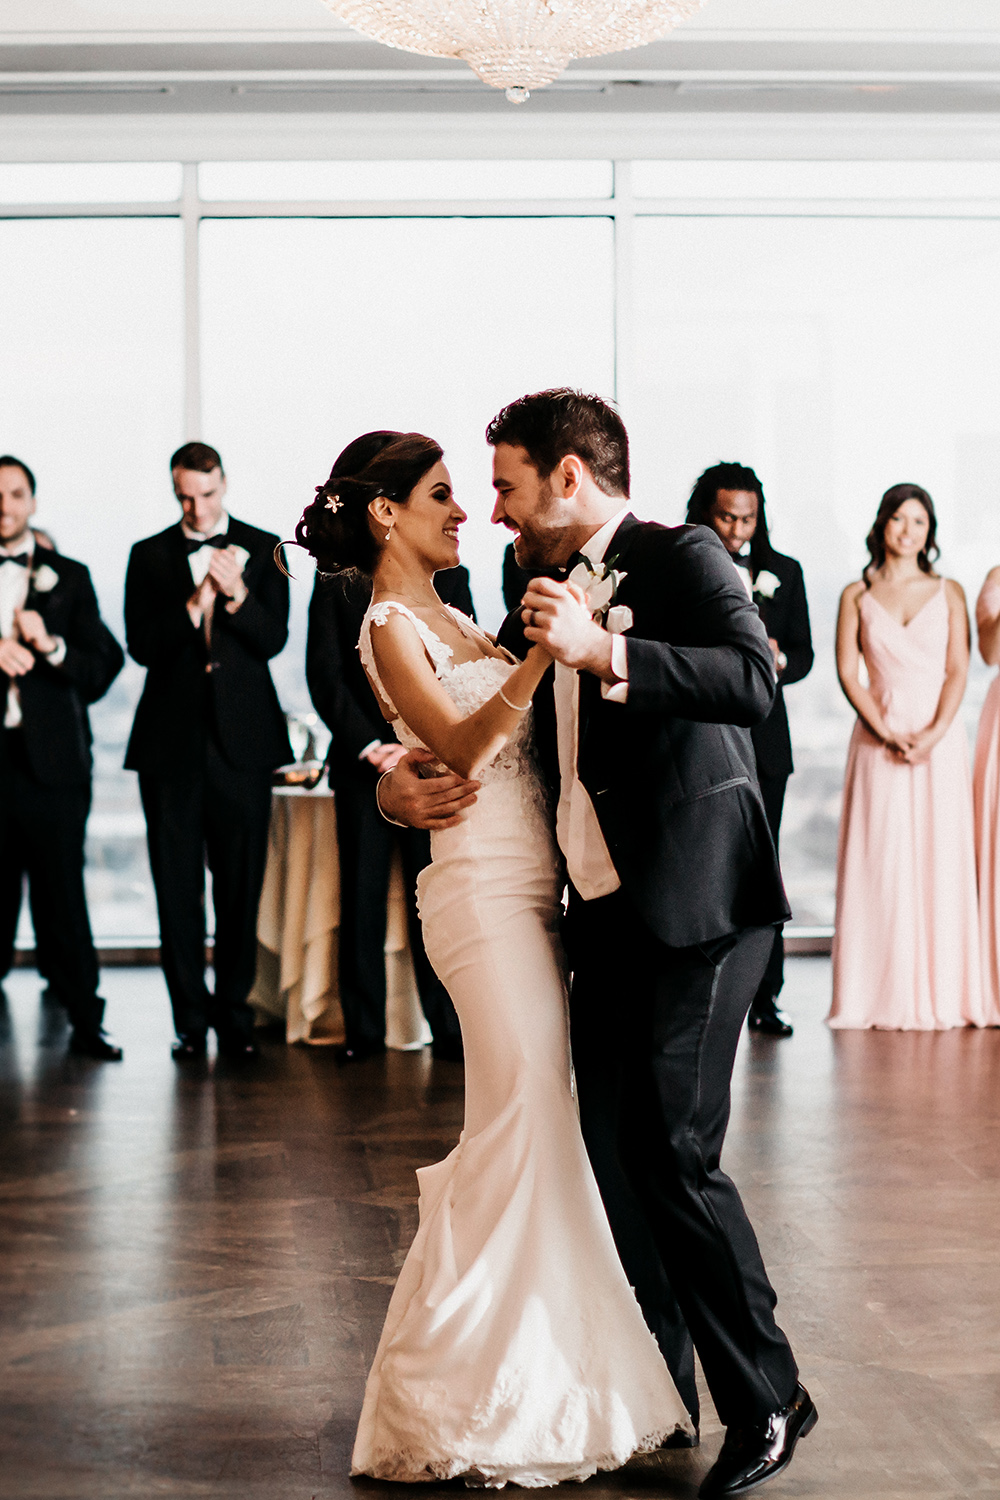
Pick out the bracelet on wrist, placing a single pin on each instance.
(519, 708)
(394, 821)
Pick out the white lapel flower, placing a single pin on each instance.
(600, 584)
(766, 584)
(619, 618)
(44, 579)
(241, 554)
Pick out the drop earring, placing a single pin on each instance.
(388, 533)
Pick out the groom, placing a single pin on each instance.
(674, 888)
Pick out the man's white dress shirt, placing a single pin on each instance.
(199, 561)
(13, 592)
(578, 832)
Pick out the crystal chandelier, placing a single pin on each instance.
(515, 45)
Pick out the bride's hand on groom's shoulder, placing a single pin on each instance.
(433, 802)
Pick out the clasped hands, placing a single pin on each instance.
(16, 660)
(911, 748)
(557, 618)
(225, 577)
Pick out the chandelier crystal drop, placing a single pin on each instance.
(514, 45)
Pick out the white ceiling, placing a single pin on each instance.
(823, 77)
(778, 19)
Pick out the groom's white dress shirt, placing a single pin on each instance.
(578, 832)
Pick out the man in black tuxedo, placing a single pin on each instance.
(12, 879)
(730, 498)
(674, 885)
(362, 748)
(58, 657)
(206, 607)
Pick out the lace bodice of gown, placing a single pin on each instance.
(469, 684)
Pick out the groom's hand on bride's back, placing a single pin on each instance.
(431, 802)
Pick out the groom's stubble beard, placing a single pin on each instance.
(540, 546)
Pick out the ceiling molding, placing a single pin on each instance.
(412, 136)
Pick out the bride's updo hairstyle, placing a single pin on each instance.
(336, 529)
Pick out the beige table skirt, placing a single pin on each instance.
(297, 930)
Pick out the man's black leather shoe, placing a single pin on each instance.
(755, 1453)
(238, 1048)
(768, 1020)
(350, 1052)
(94, 1044)
(188, 1049)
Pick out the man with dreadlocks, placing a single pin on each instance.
(730, 499)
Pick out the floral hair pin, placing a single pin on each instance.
(334, 503)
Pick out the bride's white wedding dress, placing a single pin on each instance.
(513, 1349)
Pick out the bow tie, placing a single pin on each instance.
(205, 541)
(23, 559)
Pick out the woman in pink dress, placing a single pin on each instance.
(986, 789)
(906, 950)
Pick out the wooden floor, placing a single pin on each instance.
(194, 1264)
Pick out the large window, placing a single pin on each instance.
(317, 330)
(837, 357)
(91, 383)
(835, 325)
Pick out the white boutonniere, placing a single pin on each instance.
(241, 554)
(44, 579)
(600, 583)
(766, 584)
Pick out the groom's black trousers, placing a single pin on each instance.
(654, 1032)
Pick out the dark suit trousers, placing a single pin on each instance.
(654, 1032)
(219, 816)
(42, 831)
(772, 791)
(11, 896)
(365, 846)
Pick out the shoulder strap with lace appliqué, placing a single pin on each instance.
(438, 652)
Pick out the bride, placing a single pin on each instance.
(513, 1349)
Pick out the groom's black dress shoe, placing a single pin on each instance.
(755, 1453)
(768, 1020)
(94, 1044)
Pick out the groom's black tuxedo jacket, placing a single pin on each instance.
(671, 772)
(54, 700)
(189, 690)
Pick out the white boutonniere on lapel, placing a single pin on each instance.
(44, 579)
(241, 554)
(766, 584)
(600, 583)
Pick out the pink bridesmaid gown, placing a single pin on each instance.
(906, 950)
(986, 790)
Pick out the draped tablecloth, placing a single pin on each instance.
(297, 930)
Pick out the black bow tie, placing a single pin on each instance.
(23, 559)
(206, 541)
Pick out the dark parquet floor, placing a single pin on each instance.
(194, 1264)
